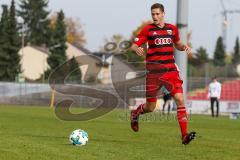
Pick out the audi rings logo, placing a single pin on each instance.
(161, 41)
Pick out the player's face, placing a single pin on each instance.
(157, 15)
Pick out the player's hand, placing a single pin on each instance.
(140, 51)
(188, 49)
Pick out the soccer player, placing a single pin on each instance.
(161, 39)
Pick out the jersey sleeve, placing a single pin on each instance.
(176, 36)
(141, 37)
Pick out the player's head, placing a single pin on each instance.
(157, 11)
(214, 79)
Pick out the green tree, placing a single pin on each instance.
(202, 55)
(74, 70)
(9, 44)
(4, 57)
(14, 41)
(58, 44)
(35, 15)
(236, 53)
(75, 33)
(219, 53)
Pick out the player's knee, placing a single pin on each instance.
(179, 101)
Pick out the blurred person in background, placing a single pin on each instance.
(167, 102)
(214, 93)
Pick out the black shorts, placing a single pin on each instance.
(167, 97)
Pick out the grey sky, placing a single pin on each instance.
(103, 18)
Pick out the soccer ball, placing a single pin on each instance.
(78, 137)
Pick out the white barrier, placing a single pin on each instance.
(200, 106)
(196, 106)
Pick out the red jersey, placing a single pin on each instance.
(160, 44)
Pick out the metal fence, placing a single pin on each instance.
(41, 94)
(194, 83)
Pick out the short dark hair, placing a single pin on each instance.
(157, 5)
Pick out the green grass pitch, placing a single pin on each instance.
(35, 133)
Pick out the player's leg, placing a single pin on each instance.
(152, 86)
(164, 105)
(182, 119)
(169, 106)
(150, 105)
(181, 113)
(212, 106)
(177, 94)
(147, 107)
(217, 101)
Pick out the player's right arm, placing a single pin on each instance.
(139, 41)
(138, 50)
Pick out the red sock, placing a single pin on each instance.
(140, 109)
(182, 119)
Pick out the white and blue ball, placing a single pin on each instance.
(78, 137)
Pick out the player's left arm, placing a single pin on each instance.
(178, 44)
(182, 47)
